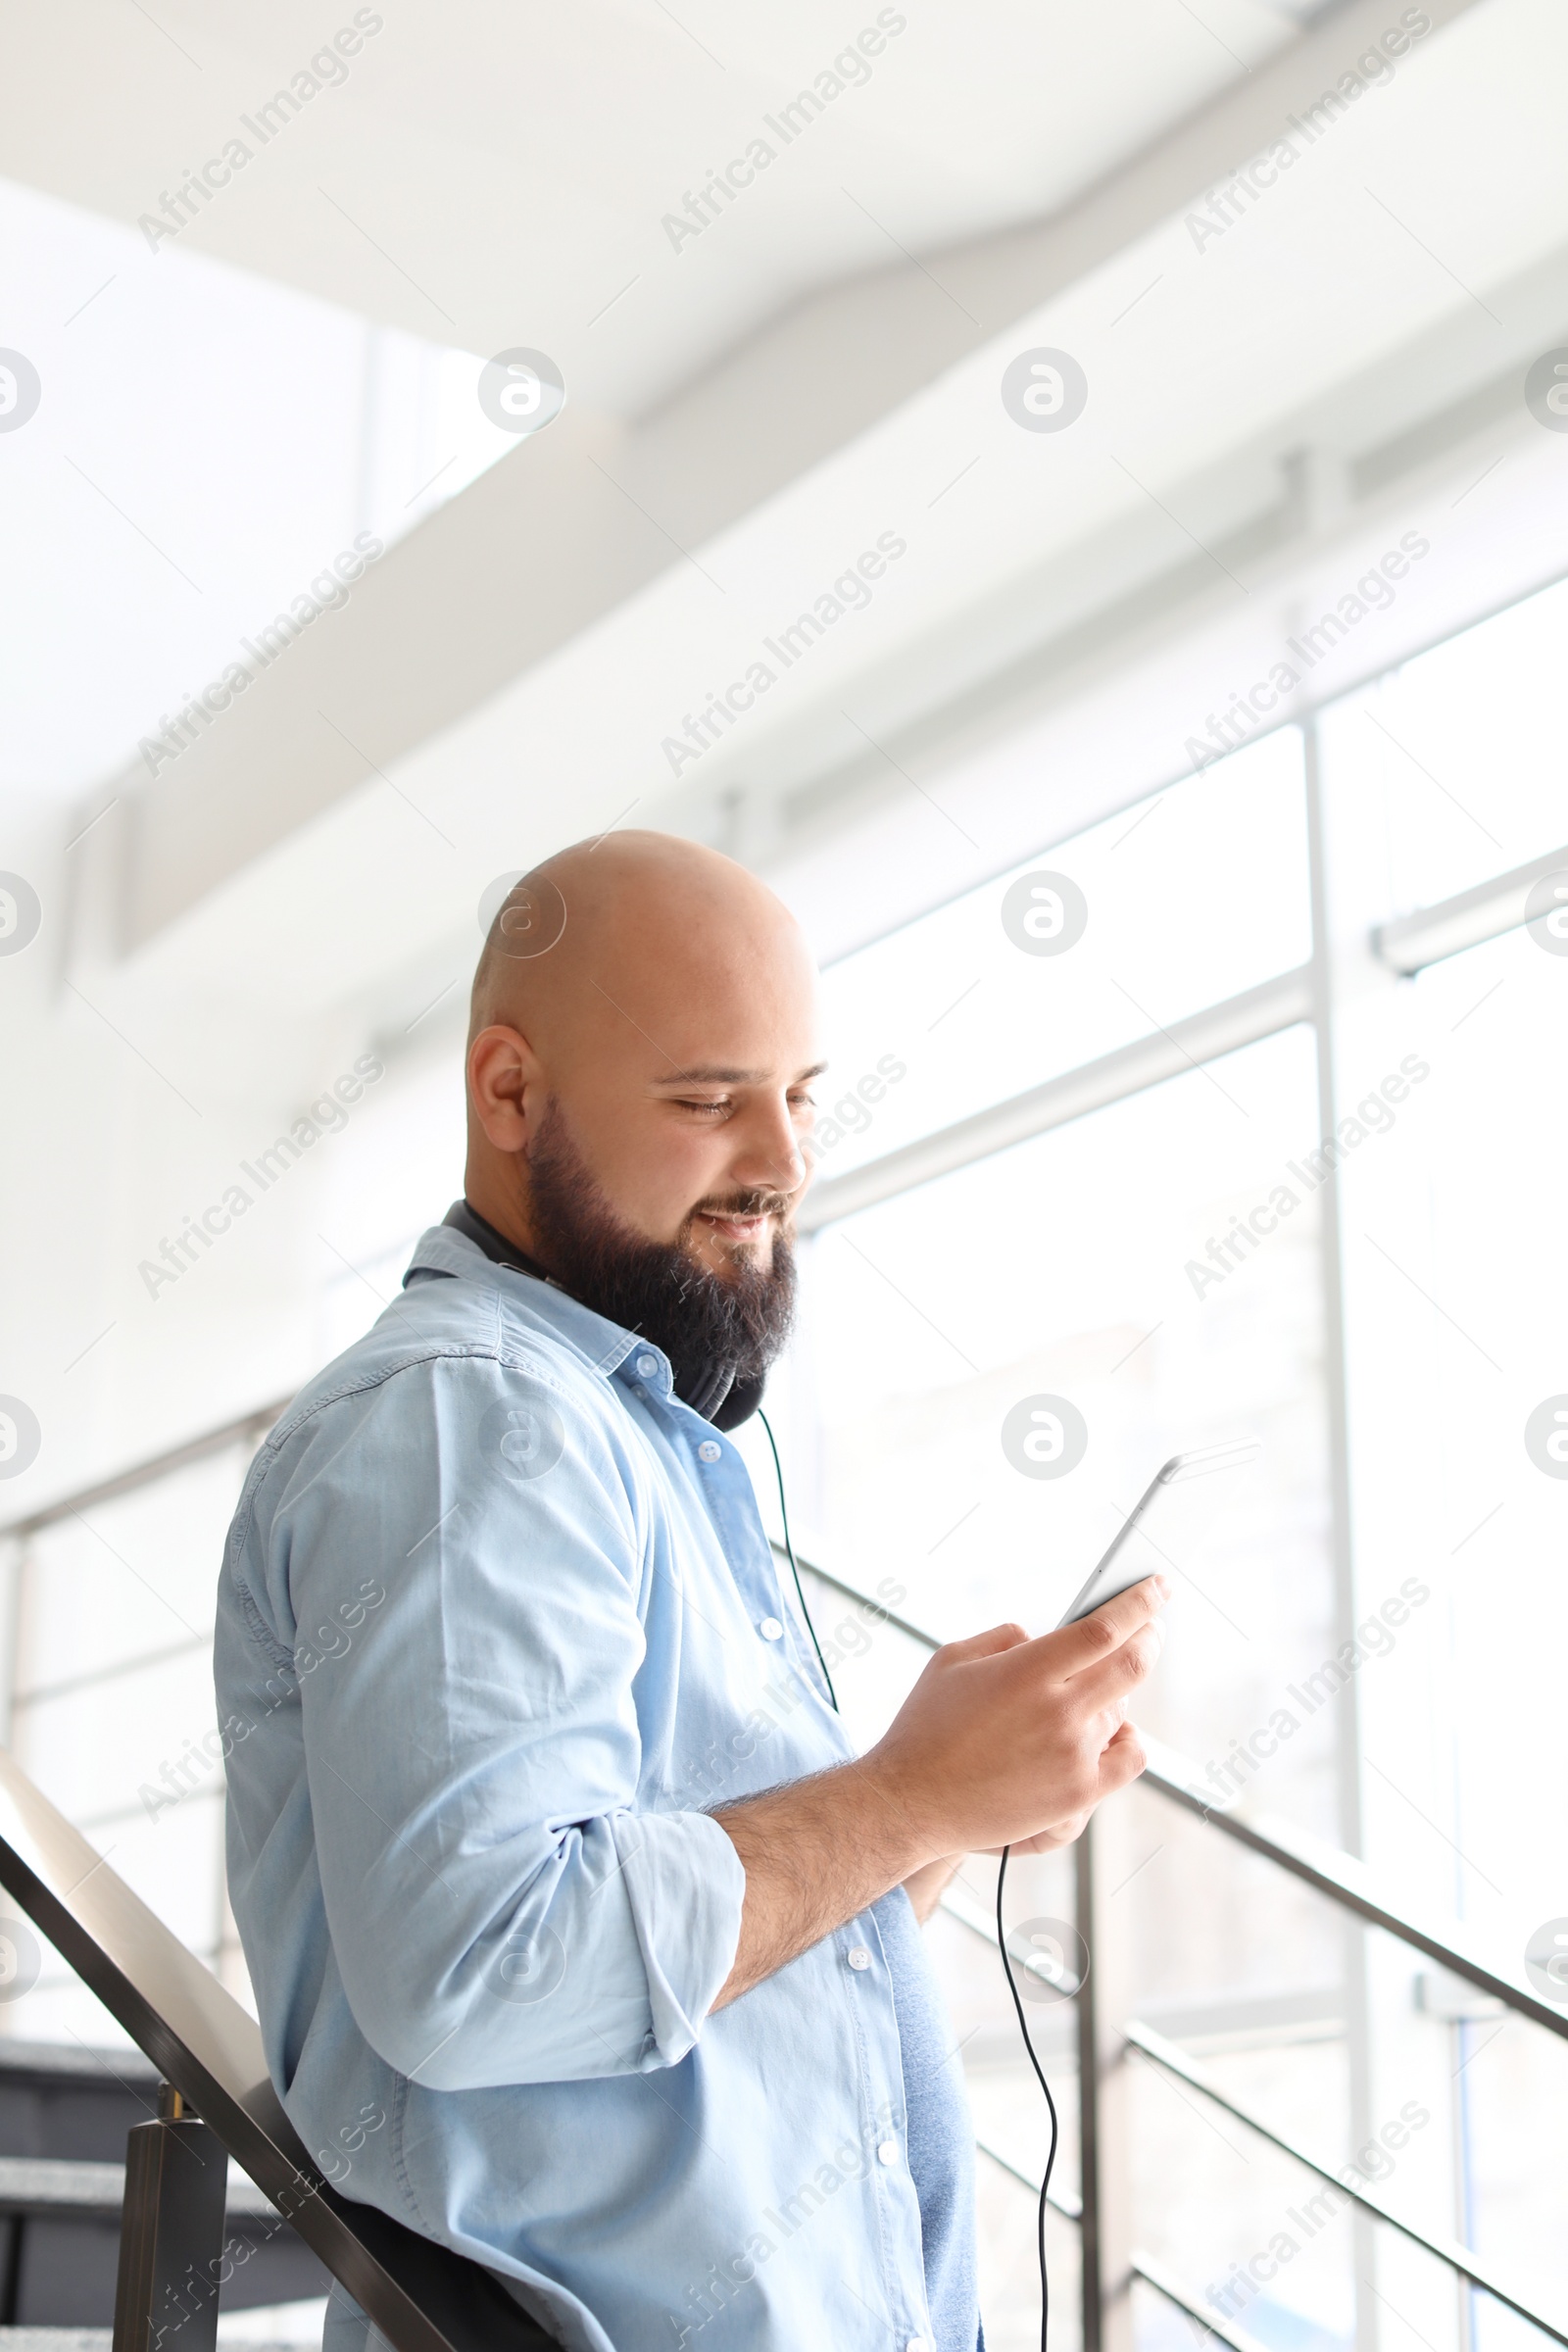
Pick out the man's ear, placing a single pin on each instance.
(502, 1074)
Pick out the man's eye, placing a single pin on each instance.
(706, 1109)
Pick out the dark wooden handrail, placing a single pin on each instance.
(422, 2297)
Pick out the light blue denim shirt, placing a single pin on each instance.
(498, 1625)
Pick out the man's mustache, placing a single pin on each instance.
(748, 1205)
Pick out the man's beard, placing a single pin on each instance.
(708, 1326)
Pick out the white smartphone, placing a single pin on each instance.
(1174, 1512)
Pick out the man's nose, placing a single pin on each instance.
(769, 1158)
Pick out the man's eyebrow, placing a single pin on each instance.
(711, 1074)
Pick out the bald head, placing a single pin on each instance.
(647, 911)
(658, 1001)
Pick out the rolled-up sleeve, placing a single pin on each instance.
(457, 1558)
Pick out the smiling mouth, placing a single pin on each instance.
(749, 1219)
(728, 1228)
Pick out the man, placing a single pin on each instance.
(581, 1938)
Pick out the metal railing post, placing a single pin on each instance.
(1103, 2089)
(171, 2234)
(1326, 953)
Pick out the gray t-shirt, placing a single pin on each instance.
(939, 2131)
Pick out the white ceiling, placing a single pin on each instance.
(224, 409)
(497, 173)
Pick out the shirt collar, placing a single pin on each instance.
(606, 1344)
(717, 1395)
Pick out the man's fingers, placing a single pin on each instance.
(1075, 1648)
(1121, 1759)
(995, 1639)
(1083, 1646)
(1107, 1684)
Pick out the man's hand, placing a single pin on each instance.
(1121, 1761)
(1002, 1741)
(1009, 1741)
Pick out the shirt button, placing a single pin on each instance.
(916, 2343)
(708, 1450)
(648, 1365)
(888, 2152)
(859, 1957)
(771, 1630)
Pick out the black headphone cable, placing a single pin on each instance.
(1051, 2154)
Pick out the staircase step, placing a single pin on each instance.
(287, 2327)
(63, 2184)
(64, 2115)
(100, 2340)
